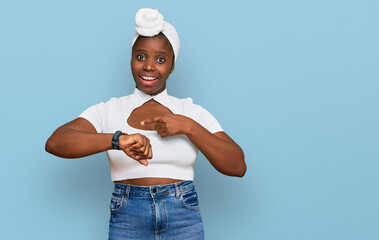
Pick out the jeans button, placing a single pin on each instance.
(154, 190)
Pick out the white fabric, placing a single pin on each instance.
(173, 157)
(149, 23)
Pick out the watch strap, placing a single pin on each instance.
(115, 139)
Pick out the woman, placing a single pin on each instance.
(152, 140)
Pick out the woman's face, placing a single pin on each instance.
(152, 62)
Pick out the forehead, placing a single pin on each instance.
(156, 43)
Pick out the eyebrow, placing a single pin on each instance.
(143, 50)
(161, 52)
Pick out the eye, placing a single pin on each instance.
(161, 60)
(140, 57)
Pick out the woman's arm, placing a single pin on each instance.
(79, 138)
(220, 150)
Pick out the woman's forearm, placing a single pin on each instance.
(79, 138)
(71, 143)
(220, 150)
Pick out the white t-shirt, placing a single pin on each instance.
(173, 157)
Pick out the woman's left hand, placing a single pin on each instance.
(169, 124)
(221, 151)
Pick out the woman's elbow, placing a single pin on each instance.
(239, 167)
(237, 171)
(54, 146)
(240, 170)
(50, 146)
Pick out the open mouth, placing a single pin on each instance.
(147, 80)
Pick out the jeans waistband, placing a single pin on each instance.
(154, 189)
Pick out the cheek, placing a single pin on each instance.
(135, 66)
(165, 70)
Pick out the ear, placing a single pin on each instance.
(173, 66)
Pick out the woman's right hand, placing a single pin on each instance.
(136, 146)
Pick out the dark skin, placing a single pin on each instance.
(152, 62)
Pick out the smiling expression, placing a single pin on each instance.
(152, 63)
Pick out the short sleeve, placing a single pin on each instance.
(206, 119)
(97, 115)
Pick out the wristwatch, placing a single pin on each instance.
(115, 139)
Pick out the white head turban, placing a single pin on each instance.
(149, 23)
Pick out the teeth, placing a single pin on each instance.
(148, 78)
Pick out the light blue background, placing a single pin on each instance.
(295, 83)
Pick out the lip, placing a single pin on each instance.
(148, 82)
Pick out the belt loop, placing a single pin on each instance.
(127, 190)
(177, 193)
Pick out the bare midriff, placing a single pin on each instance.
(149, 181)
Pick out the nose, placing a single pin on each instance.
(149, 65)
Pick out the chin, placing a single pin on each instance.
(147, 90)
(150, 89)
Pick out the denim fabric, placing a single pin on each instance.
(155, 212)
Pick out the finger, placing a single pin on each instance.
(148, 152)
(150, 155)
(137, 156)
(140, 143)
(136, 152)
(133, 155)
(150, 120)
(156, 126)
(143, 162)
(159, 127)
(164, 134)
(137, 145)
(141, 159)
(146, 146)
(161, 131)
(141, 148)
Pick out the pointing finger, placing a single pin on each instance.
(150, 120)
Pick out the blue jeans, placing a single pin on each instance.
(155, 212)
